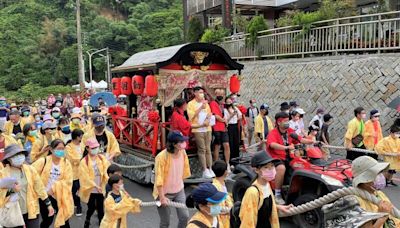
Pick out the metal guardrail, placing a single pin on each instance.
(366, 33)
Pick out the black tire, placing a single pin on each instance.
(239, 188)
(309, 219)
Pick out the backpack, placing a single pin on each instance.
(235, 211)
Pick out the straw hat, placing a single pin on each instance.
(366, 169)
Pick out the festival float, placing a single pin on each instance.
(152, 80)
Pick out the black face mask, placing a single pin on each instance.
(100, 129)
(220, 98)
(228, 105)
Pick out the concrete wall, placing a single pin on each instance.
(336, 83)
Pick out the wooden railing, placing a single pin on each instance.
(366, 33)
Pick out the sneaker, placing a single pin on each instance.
(212, 173)
(391, 183)
(279, 200)
(78, 212)
(207, 174)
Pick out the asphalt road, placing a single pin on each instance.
(148, 218)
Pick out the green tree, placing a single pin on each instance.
(214, 35)
(195, 30)
(256, 25)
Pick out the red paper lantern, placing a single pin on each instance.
(138, 84)
(234, 84)
(116, 86)
(126, 85)
(151, 86)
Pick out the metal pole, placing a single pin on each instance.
(90, 68)
(108, 69)
(81, 72)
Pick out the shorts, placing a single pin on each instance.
(278, 162)
(220, 137)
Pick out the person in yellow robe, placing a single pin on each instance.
(64, 130)
(28, 185)
(108, 143)
(220, 168)
(207, 200)
(27, 116)
(365, 171)
(373, 130)
(76, 122)
(93, 179)
(73, 153)
(118, 204)
(41, 147)
(261, 129)
(391, 144)
(5, 140)
(14, 126)
(56, 174)
(259, 197)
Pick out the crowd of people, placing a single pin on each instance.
(55, 155)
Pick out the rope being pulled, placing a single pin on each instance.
(134, 166)
(317, 203)
(360, 150)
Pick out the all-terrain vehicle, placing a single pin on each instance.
(307, 178)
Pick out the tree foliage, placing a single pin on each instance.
(195, 30)
(38, 37)
(214, 35)
(256, 25)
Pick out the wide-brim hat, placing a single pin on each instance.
(76, 116)
(49, 125)
(13, 149)
(261, 158)
(365, 169)
(347, 211)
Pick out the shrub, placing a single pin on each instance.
(256, 25)
(214, 35)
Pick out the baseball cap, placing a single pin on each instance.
(98, 120)
(300, 111)
(261, 158)
(264, 106)
(92, 143)
(207, 192)
(374, 113)
(176, 136)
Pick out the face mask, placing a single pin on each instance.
(363, 116)
(33, 133)
(59, 153)
(215, 210)
(285, 125)
(268, 174)
(99, 129)
(76, 121)
(58, 104)
(255, 104)
(56, 114)
(182, 145)
(26, 114)
(201, 95)
(17, 160)
(121, 187)
(95, 151)
(36, 105)
(287, 111)
(37, 118)
(228, 105)
(397, 135)
(380, 182)
(2, 102)
(220, 98)
(66, 130)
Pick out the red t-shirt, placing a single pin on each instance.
(180, 123)
(275, 137)
(216, 110)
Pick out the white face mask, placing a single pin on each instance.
(17, 160)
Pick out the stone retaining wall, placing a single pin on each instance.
(336, 83)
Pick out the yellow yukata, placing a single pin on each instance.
(371, 207)
(112, 145)
(369, 135)
(9, 126)
(35, 190)
(224, 218)
(87, 177)
(199, 216)
(39, 145)
(259, 126)
(28, 119)
(390, 145)
(61, 188)
(118, 211)
(252, 202)
(162, 165)
(353, 129)
(194, 120)
(74, 155)
(76, 126)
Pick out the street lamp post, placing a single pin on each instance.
(90, 54)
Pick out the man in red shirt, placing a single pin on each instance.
(280, 145)
(178, 119)
(219, 129)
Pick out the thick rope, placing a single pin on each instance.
(134, 166)
(317, 203)
(360, 150)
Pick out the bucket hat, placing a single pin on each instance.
(261, 158)
(76, 116)
(366, 169)
(49, 125)
(13, 149)
(347, 213)
(92, 143)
